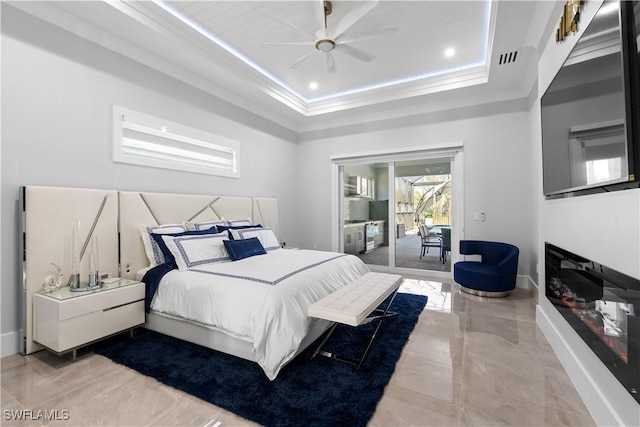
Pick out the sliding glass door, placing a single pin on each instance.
(398, 214)
(365, 210)
(423, 214)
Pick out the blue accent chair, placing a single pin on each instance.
(495, 273)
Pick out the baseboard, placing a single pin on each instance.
(607, 408)
(526, 282)
(9, 343)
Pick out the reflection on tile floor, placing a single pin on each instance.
(470, 361)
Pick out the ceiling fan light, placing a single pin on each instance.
(325, 45)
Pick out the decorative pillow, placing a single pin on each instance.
(168, 256)
(150, 246)
(239, 249)
(196, 250)
(237, 222)
(266, 236)
(237, 227)
(205, 225)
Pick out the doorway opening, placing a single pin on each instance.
(400, 214)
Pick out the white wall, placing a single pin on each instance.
(604, 228)
(497, 172)
(57, 95)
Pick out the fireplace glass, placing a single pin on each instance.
(603, 307)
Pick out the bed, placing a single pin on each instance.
(254, 308)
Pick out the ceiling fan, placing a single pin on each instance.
(333, 37)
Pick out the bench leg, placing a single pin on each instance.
(324, 341)
(357, 362)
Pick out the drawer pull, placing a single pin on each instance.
(121, 305)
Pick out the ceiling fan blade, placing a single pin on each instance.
(274, 17)
(307, 43)
(355, 52)
(367, 35)
(360, 9)
(299, 61)
(331, 62)
(318, 11)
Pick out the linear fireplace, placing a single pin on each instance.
(603, 306)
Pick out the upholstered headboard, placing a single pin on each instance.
(137, 208)
(47, 217)
(115, 217)
(265, 212)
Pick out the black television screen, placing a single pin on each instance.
(590, 110)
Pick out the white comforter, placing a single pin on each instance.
(262, 299)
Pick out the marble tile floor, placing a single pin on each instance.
(470, 361)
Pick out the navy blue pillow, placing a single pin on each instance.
(239, 249)
(168, 256)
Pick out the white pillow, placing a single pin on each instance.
(205, 225)
(266, 236)
(151, 248)
(194, 251)
(239, 222)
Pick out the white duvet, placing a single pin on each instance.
(262, 299)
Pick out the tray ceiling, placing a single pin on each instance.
(224, 48)
(414, 54)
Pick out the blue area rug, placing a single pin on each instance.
(309, 392)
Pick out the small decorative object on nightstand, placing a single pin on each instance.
(94, 276)
(74, 278)
(63, 320)
(52, 283)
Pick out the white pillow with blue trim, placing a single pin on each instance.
(195, 251)
(204, 225)
(151, 248)
(238, 222)
(266, 236)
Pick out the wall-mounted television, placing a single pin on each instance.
(591, 110)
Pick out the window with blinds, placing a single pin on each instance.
(145, 140)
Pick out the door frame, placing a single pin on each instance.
(452, 150)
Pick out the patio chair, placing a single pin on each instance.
(446, 244)
(428, 241)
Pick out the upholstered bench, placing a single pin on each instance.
(357, 304)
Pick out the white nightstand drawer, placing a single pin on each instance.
(64, 321)
(123, 317)
(78, 331)
(98, 301)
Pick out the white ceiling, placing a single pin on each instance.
(416, 49)
(218, 47)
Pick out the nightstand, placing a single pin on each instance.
(63, 320)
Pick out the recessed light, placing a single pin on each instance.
(313, 85)
(449, 52)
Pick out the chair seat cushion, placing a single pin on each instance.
(477, 275)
